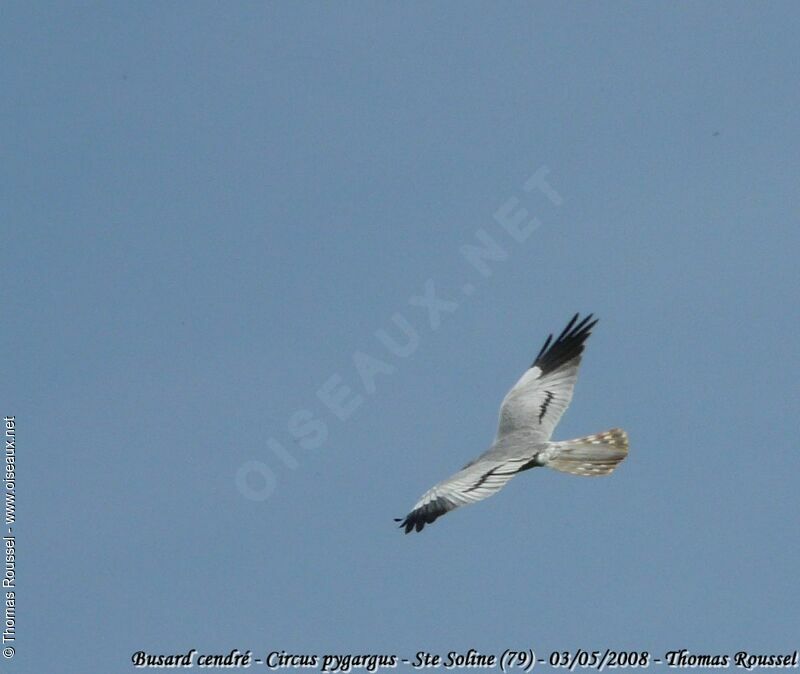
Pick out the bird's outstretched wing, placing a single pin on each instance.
(475, 482)
(534, 404)
(537, 401)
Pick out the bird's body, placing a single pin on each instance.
(528, 415)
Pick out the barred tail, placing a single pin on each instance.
(592, 455)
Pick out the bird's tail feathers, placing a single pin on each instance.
(591, 456)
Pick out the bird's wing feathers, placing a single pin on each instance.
(537, 401)
(534, 404)
(475, 482)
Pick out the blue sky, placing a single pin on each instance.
(210, 209)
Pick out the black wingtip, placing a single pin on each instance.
(426, 514)
(410, 522)
(567, 346)
(405, 522)
(543, 349)
(569, 326)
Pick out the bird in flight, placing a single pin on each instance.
(528, 415)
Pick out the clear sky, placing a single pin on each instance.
(210, 212)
